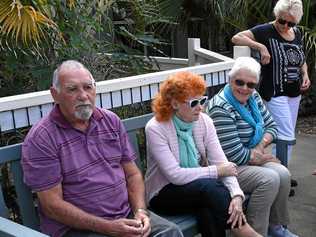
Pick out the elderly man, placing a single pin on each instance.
(81, 165)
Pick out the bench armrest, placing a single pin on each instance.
(11, 229)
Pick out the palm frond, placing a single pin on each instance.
(71, 3)
(23, 23)
(309, 36)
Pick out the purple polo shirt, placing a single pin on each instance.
(86, 164)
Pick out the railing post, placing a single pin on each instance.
(193, 43)
(242, 51)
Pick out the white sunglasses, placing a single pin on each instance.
(202, 101)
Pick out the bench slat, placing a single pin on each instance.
(10, 153)
(187, 223)
(132, 135)
(24, 197)
(137, 122)
(3, 207)
(11, 229)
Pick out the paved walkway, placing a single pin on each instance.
(303, 204)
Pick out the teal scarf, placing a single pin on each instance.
(254, 118)
(187, 149)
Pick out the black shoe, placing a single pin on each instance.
(292, 192)
(293, 183)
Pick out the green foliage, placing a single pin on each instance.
(87, 30)
(21, 73)
(198, 19)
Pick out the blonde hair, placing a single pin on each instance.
(179, 86)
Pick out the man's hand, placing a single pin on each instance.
(265, 56)
(126, 227)
(227, 169)
(145, 222)
(237, 217)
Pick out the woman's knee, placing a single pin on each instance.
(270, 182)
(285, 175)
(214, 192)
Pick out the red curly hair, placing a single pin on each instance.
(179, 86)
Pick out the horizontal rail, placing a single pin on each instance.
(44, 97)
(25, 110)
(211, 56)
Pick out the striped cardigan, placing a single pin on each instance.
(163, 156)
(233, 131)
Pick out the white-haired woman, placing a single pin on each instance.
(244, 128)
(284, 70)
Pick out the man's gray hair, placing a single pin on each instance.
(292, 7)
(68, 65)
(246, 63)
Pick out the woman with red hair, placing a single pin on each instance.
(187, 170)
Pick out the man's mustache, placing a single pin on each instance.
(83, 104)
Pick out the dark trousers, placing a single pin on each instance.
(160, 227)
(208, 198)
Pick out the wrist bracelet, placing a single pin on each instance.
(141, 210)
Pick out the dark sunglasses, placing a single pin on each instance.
(289, 23)
(250, 85)
(195, 102)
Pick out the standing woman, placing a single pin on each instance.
(187, 170)
(284, 70)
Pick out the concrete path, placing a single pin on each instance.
(303, 204)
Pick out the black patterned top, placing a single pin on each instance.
(282, 76)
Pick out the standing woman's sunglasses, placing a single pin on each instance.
(202, 101)
(283, 22)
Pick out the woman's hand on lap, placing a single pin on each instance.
(227, 169)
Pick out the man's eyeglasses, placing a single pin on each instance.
(250, 85)
(289, 23)
(202, 101)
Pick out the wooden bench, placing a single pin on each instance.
(12, 154)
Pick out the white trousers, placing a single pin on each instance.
(284, 111)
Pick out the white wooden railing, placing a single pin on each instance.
(24, 110)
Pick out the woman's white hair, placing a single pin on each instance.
(292, 7)
(68, 65)
(245, 63)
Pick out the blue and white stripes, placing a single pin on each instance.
(234, 132)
